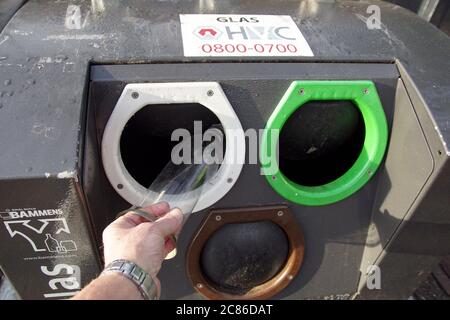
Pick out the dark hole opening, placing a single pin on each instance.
(146, 145)
(321, 141)
(240, 256)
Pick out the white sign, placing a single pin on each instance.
(207, 35)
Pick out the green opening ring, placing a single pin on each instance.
(365, 97)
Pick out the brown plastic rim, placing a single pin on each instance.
(282, 216)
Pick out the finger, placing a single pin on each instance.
(131, 220)
(158, 209)
(169, 224)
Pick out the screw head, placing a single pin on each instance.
(218, 218)
(199, 285)
(274, 178)
(366, 91)
(135, 95)
(280, 213)
(290, 277)
(301, 91)
(210, 93)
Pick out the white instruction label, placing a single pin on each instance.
(206, 35)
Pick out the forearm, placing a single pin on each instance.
(110, 286)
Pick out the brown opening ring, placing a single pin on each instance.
(280, 215)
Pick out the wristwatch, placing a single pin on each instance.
(140, 278)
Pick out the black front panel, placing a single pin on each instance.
(335, 234)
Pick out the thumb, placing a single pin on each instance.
(169, 224)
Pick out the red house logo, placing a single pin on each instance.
(207, 33)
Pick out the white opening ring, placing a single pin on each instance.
(136, 96)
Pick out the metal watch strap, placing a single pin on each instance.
(132, 271)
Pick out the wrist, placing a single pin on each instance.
(149, 269)
(145, 283)
(126, 286)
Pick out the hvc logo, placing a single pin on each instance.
(246, 33)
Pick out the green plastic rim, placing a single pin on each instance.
(365, 97)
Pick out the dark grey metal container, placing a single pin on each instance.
(59, 85)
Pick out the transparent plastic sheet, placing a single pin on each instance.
(181, 185)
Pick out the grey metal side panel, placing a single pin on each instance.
(418, 245)
(422, 239)
(408, 166)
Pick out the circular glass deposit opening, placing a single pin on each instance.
(241, 256)
(321, 141)
(145, 143)
(331, 137)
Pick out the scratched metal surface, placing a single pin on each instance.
(7, 10)
(47, 46)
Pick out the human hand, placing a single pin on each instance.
(133, 238)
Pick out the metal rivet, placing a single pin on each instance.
(369, 172)
(280, 213)
(274, 178)
(210, 93)
(301, 91)
(120, 186)
(199, 285)
(366, 91)
(290, 277)
(230, 180)
(135, 95)
(218, 218)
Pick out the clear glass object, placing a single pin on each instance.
(181, 185)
